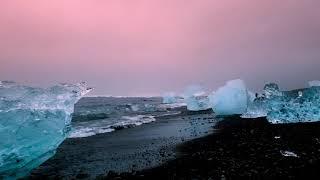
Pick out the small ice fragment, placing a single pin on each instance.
(277, 137)
(288, 154)
(197, 103)
(195, 98)
(169, 98)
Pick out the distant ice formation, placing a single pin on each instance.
(314, 83)
(230, 99)
(33, 122)
(195, 98)
(169, 98)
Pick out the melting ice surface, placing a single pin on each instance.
(295, 106)
(197, 103)
(230, 99)
(194, 97)
(286, 106)
(169, 98)
(33, 122)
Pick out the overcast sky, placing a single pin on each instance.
(147, 47)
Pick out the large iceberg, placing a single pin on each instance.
(33, 123)
(230, 99)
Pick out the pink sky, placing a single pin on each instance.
(147, 47)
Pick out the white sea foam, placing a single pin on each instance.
(86, 132)
(100, 128)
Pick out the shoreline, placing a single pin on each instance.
(126, 150)
(243, 148)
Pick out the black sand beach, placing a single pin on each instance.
(244, 149)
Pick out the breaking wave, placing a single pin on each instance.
(106, 126)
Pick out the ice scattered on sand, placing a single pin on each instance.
(288, 154)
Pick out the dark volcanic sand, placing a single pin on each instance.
(243, 149)
(126, 150)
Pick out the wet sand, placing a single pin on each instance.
(126, 150)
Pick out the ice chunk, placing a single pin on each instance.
(33, 122)
(301, 105)
(257, 108)
(197, 103)
(271, 90)
(295, 106)
(230, 99)
(260, 106)
(195, 98)
(288, 154)
(169, 98)
(314, 83)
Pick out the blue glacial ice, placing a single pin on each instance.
(295, 106)
(301, 105)
(197, 103)
(169, 98)
(33, 123)
(258, 106)
(230, 99)
(195, 98)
